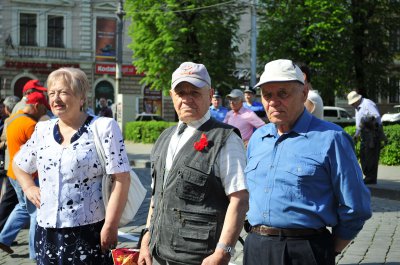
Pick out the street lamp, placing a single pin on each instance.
(118, 67)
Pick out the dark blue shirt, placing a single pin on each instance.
(306, 178)
(218, 114)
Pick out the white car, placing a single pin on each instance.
(339, 116)
(393, 117)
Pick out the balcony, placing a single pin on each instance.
(48, 53)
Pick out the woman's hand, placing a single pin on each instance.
(33, 194)
(108, 237)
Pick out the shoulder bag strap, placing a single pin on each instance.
(99, 147)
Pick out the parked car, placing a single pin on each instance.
(392, 117)
(148, 117)
(339, 116)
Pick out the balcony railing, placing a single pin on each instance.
(52, 54)
(48, 53)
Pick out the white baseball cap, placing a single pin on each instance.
(281, 70)
(194, 73)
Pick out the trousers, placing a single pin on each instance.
(278, 250)
(23, 214)
(8, 200)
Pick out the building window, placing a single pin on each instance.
(27, 33)
(55, 31)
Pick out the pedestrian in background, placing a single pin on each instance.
(314, 103)
(8, 197)
(217, 111)
(369, 129)
(30, 87)
(240, 117)
(20, 127)
(303, 176)
(251, 104)
(104, 111)
(73, 224)
(199, 197)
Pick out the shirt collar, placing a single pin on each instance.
(198, 123)
(300, 127)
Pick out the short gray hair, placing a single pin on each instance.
(10, 102)
(74, 78)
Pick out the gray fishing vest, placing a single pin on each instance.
(189, 209)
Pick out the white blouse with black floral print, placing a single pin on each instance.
(70, 176)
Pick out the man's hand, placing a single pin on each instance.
(145, 257)
(219, 257)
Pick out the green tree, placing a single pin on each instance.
(373, 23)
(166, 33)
(315, 32)
(345, 42)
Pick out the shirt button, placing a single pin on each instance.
(265, 215)
(266, 190)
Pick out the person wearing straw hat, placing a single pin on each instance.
(369, 129)
(303, 177)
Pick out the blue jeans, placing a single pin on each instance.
(23, 213)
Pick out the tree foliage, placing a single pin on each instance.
(166, 33)
(344, 42)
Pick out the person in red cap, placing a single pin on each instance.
(20, 127)
(31, 86)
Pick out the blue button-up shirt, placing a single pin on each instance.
(306, 178)
(219, 114)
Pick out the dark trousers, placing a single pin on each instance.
(276, 250)
(369, 158)
(8, 200)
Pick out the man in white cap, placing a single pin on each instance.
(199, 198)
(369, 129)
(303, 176)
(240, 117)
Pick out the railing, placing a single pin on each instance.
(51, 54)
(48, 53)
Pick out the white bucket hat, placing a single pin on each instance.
(353, 97)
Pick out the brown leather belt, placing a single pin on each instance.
(286, 232)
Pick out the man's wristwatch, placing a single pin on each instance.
(227, 249)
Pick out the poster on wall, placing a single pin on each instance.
(106, 39)
(152, 101)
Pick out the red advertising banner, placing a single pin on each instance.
(102, 68)
(105, 39)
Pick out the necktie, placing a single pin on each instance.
(182, 128)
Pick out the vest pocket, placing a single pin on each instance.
(195, 231)
(191, 185)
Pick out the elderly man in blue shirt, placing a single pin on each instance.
(302, 176)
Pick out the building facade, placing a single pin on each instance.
(40, 36)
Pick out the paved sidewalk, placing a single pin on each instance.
(377, 243)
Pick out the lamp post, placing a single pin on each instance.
(253, 60)
(118, 67)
